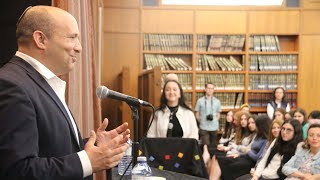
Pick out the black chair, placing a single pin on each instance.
(182, 155)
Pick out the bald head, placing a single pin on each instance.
(172, 76)
(41, 18)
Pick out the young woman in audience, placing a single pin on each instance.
(300, 115)
(277, 101)
(288, 115)
(173, 114)
(313, 117)
(226, 138)
(245, 108)
(229, 168)
(241, 142)
(305, 164)
(243, 136)
(279, 114)
(229, 130)
(274, 132)
(279, 152)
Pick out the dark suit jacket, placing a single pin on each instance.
(37, 140)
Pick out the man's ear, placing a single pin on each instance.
(39, 39)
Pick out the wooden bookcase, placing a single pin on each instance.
(247, 67)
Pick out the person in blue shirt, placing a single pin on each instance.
(207, 113)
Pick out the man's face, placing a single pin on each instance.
(63, 47)
(209, 89)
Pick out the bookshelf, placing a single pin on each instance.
(245, 68)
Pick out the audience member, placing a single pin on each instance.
(279, 152)
(274, 132)
(288, 115)
(300, 115)
(174, 118)
(279, 114)
(172, 76)
(275, 129)
(245, 108)
(305, 163)
(314, 117)
(229, 168)
(277, 101)
(229, 130)
(207, 113)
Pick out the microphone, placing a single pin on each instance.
(170, 127)
(103, 92)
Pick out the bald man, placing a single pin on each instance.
(172, 76)
(39, 138)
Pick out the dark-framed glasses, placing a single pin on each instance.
(22, 15)
(288, 130)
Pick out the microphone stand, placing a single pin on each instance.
(135, 142)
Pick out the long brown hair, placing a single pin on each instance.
(242, 132)
(270, 136)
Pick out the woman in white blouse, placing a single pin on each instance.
(174, 118)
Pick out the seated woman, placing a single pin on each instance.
(305, 164)
(174, 117)
(279, 152)
(274, 132)
(229, 168)
(242, 141)
(279, 114)
(244, 136)
(229, 130)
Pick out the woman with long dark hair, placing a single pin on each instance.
(305, 163)
(173, 114)
(229, 130)
(279, 152)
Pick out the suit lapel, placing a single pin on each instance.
(43, 84)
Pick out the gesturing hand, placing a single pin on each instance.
(107, 154)
(105, 136)
(110, 148)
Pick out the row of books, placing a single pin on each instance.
(222, 121)
(218, 63)
(188, 99)
(271, 81)
(260, 100)
(264, 43)
(273, 62)
(167, 42)
(220, 43)
(227, 100)
(166, 62)
(184, 79)
(221, 81)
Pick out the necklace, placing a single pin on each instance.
(173, 110)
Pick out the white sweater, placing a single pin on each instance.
(270, 172)
(185, 117)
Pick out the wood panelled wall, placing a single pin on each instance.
(126, 20)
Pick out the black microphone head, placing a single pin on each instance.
(102, 92)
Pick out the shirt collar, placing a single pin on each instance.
(43, 70)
